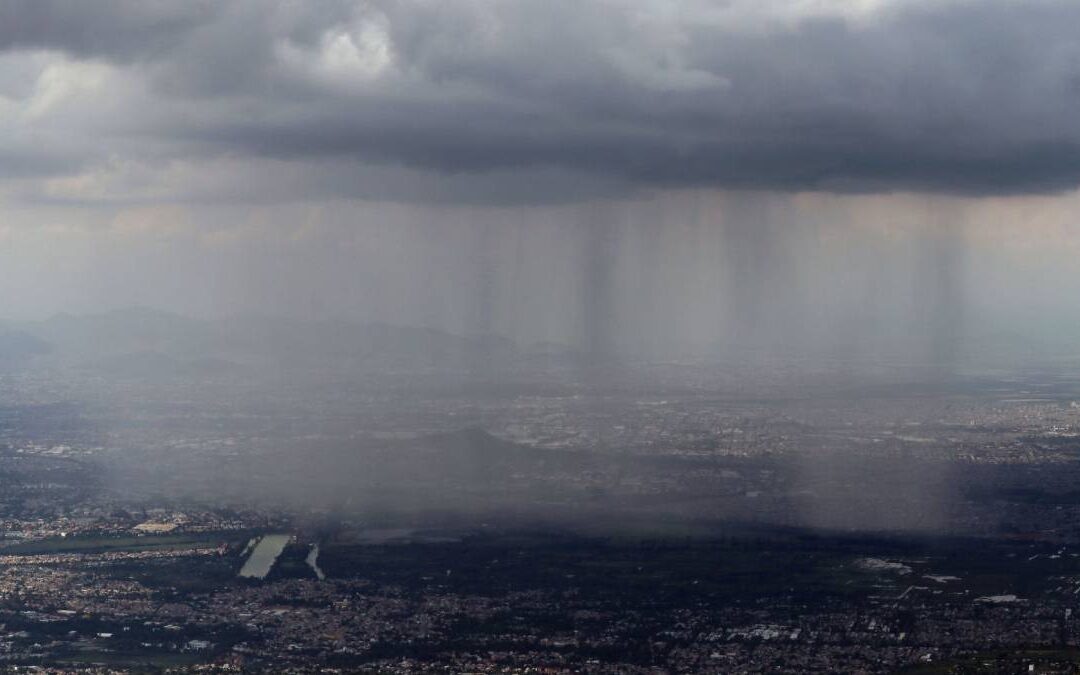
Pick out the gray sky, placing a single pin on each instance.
(134, 100)
(684, 165)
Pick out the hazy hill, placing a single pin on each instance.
(18, 347)
(150, 343)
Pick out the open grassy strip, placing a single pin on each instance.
(109, 544)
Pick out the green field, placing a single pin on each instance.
(121, 543)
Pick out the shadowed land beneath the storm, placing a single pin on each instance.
(473, 475)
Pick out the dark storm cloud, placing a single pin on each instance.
(121, 29)
(967, 97)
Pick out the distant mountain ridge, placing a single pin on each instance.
(18, 346)
(147, 342)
